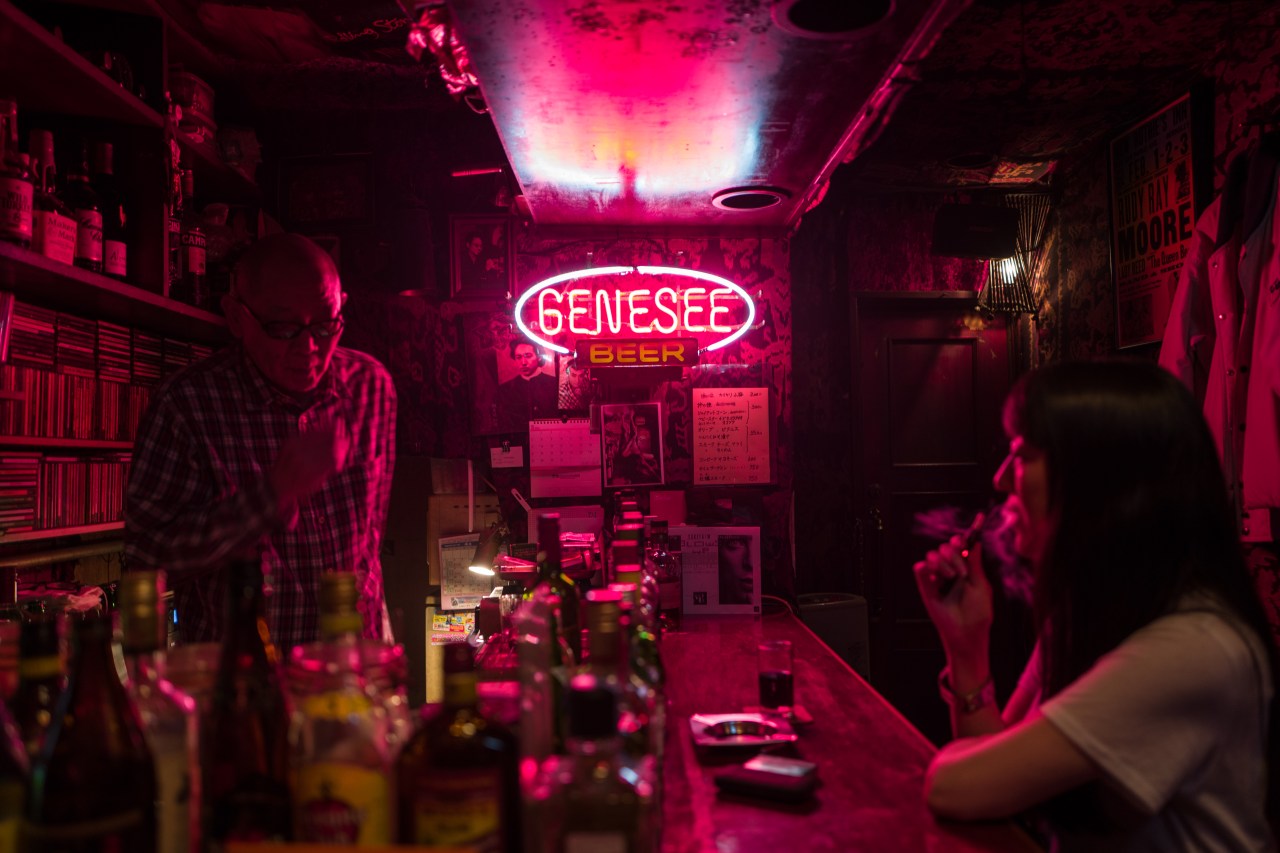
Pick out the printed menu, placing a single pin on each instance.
(731, 436)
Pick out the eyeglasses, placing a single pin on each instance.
(282, 331)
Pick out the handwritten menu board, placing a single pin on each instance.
(730, 436)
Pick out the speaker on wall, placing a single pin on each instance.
(975, 231)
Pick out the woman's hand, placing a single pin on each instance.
(957, 596)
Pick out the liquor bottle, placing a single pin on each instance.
(667, 570)
(41, 679)
(168, 715)
(594, 802)
(16, 192)
(545, 662)
(173, 195)
(342, 793)
(14, 778)
(86, 207)
(608, 658)
(53, 225)
(246, 743)
(631, 534)
(458, 777)
(10, 633)
(552, 578)
(646, 660)
(191, 286)
(93, 786)
(115, 245)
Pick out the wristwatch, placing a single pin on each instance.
(966, 703)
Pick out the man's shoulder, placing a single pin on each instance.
(353, 367)
(216, 369)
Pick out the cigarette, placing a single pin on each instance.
(972, 535)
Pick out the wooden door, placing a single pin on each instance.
(930, 376)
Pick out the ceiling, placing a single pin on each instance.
(638, 112)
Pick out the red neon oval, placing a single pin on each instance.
(597, 272)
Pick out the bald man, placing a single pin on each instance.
(280, 446)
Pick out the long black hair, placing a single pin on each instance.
(1142, 513)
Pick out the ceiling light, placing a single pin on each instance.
(749, 198)
(824, 19)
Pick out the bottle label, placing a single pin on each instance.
(335, 705)
(89, 236)
(54, 236)
(15, 210)
(462, 808)
(193, 253)
(115, 256)
(595, 842)
(343, 804)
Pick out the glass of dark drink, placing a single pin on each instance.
(777, 687)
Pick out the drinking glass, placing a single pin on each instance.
(777, 686)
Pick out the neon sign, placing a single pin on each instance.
(570, 305)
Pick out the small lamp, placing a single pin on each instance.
(487, 548)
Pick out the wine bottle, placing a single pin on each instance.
(93, 786)
(87, 209)
(14, 778)
(552, 577)
(458, 777)
(16, 192)
(246, 744)
(53, 225)
(168, 715)
(41, 678)
(115, 245)
(342, 793)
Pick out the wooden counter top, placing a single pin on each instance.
(871, 761)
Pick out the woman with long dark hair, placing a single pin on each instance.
(1143, 720)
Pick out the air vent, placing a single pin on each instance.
(825, 19)
(749, 198)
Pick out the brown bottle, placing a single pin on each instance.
(14, 777)
(41, 678)
(246, 751)
(458, 776)
(16, 192)
(93, 787)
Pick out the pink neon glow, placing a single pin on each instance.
(604, 311)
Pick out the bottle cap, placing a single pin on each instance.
(141, 604)
(603, 611)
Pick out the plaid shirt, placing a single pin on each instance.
(199, 494)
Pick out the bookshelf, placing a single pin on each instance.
(33, 277)
(55, 533)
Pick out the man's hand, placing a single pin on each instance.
(309, 459)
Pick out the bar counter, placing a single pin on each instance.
(871, 761)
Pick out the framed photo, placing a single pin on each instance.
(481, 257)
(325, 193)
(631, 436)
(1157, 180)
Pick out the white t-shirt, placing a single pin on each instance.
(1176, 718)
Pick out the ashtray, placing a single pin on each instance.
(739, 730)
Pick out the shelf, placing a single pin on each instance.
(44, 74)
(41, 281)
(64, 443)
(214, 179)
(82, 530)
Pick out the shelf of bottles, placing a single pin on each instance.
(103, 152)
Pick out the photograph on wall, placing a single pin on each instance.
(512, 380)
(578, 388)
(481, 257)
(1153, 211)
(631, 437)
(720, 568)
